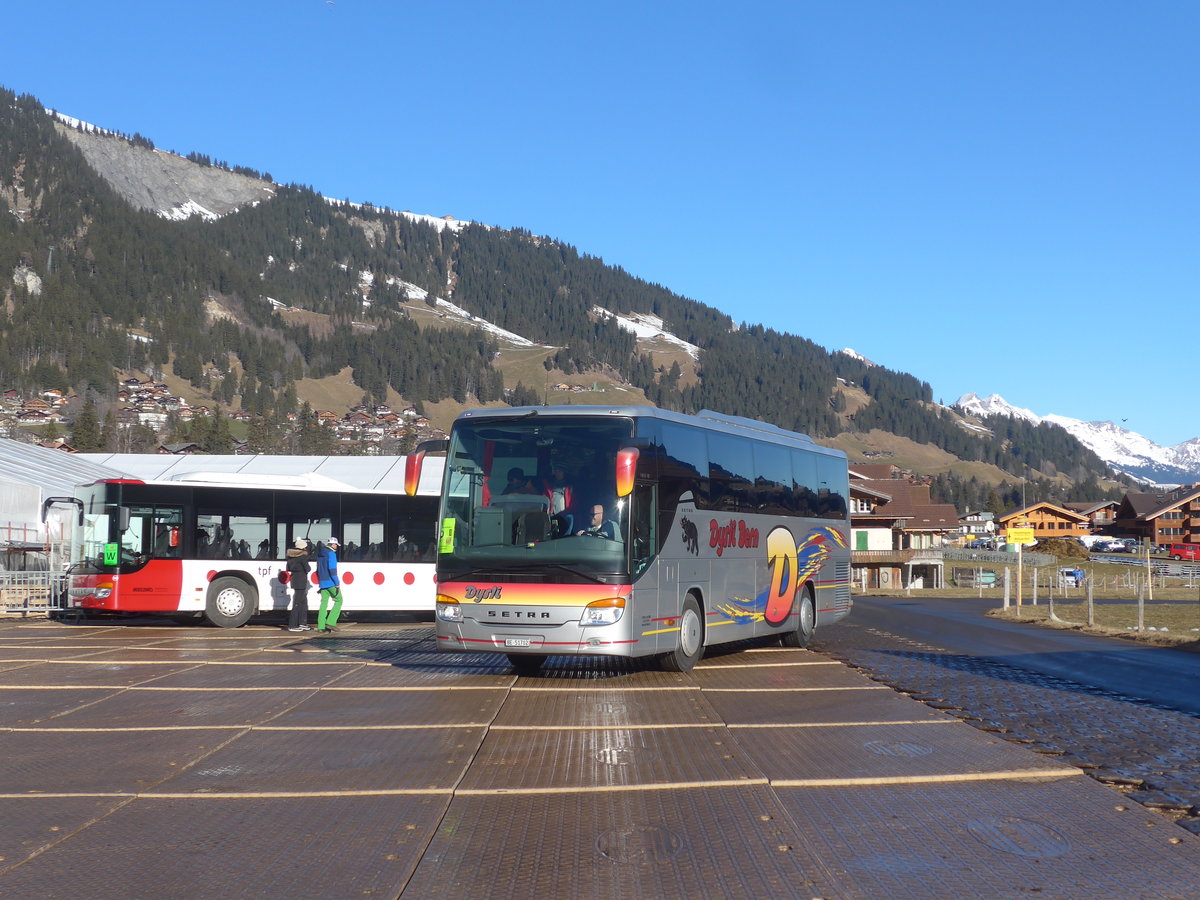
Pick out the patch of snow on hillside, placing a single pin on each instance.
(482, 324)
(854, 354)
(186, 210)
(647, 327)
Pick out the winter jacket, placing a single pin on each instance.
(297, 567)
(327, 576)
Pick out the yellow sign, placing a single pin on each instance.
(1020, 535)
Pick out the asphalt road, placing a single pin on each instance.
(1128, 714)
(1161, 676)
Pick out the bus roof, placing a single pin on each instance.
(383, 474)
(706, 418)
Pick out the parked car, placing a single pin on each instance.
(981, 544)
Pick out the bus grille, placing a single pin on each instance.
(841, 590)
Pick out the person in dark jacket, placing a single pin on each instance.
(330, 585)
(297, 569)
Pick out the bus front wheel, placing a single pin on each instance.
(231, 602)
(691, 638)
(526, 663)
(806, 621)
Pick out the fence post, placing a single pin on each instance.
(1141, 607)
(1007, 571)
(1091, 608)
(1035, 573)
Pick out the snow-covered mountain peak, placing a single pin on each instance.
(854, 354)
(1124, 450)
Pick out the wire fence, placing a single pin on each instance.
(27, 593)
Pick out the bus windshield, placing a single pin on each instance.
(523, 495)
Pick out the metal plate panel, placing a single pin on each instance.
(1066, 839)
(233, 675)
(886, 752)
(31, 824)
(401, 677)
(604, 708)
(335, 760)
(97, 762)
(320, 847)
(84, 674)
(783, 677)
(182, 709)
(727, 842)
(164, 654)
(593, 759)
(424, 708)
(809, 708)
(22, 707)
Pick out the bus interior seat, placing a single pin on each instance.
(531, 527)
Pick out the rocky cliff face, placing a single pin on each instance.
(169, 185)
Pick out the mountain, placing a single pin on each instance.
(120, 260)
(1124, 450)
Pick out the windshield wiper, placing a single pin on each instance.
(549, 565)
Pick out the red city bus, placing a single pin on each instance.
(215, 546)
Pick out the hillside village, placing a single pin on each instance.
(46, 418)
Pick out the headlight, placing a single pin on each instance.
(448, 609)
(603, 612)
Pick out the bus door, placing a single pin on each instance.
(150, 541)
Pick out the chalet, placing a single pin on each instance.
(1161, 517)
(36, 405)
(896, 529)
(179, 449)
(325, 417)
(977, 524)
(1047, 521)
(1101, 515)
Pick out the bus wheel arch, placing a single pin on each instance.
(231, 601)
(806, 619)
(690, 648)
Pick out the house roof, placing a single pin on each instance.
(1153, 505)
(1044, 505)
(1087, 507)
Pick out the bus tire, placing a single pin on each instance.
(526, 663)
(691, 638)
(806, 621)
(231, 602)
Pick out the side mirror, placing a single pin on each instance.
(626, 470)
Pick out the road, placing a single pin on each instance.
(1129, 714)
(1164, 677)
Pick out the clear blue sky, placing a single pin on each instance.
(998, 197)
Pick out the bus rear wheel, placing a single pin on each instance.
(231, 602)
(806, 621)
(691, 639)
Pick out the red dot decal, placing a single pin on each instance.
(379, 578)
(348, 578)
(409, 577)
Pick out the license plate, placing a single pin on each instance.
(517, 642)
